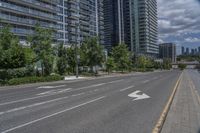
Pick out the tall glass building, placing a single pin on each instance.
(23, 15)
(73, 20)
(144, 27)
(113, 22)
(133, 22)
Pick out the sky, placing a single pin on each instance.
(179, 22)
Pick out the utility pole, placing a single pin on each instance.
(76, 51)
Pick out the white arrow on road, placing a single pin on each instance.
(138, 96)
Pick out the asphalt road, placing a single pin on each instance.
(125, 104)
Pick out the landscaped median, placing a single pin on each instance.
(33, 79)
(25, 80)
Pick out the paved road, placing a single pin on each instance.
(105, 105)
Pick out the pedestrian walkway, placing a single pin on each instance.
(184, 114)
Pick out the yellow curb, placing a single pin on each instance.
(161, 120)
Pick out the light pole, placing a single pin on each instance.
(76, 51)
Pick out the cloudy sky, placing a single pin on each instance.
(179, 22)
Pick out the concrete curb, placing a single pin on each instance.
(163, 116)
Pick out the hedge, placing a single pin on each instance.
(15, 73)
(34, 79)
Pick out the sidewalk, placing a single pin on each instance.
(184, 114)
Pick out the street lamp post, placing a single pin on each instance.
(76, 51)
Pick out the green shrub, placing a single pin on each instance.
(87, 74)
(182, 66)
(16, 73)
(34, 79)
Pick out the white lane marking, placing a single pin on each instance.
(78, 94)
(146, 81)
(138, 96)
(54, 114)
(50, 87)
(115, 81)
(96, 85)
(26, 99)
(33, 105)
(87, 87)
(130, 87)
(51, 92)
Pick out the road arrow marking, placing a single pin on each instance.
(138, 96)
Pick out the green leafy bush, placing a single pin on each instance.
(34, 79)
(7, 74)
(182, 66)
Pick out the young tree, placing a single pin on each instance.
(182, 66)
(91, 53)
(142, 62)
(167, 64)
(121, 57)
(41, 43)
(62, 59)
(71, 59)
(110, 64)
(11, 52)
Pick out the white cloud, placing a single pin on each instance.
(178, 18)
(192, 40)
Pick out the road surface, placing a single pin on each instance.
(124, 104)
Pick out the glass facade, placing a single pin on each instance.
(73, 20)
(23, 15)
(144, 27)
(133, 22)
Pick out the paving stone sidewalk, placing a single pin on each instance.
(184, 114)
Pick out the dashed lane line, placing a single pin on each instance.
(51, 115)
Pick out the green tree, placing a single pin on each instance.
(11, 52)
(41, 43)
(62, 59)
(142, 62)
(121, 56)
(110, 65)
(182, 66)
(91, 53)
(71, 59)
(167, 64)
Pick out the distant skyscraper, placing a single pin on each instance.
(199, 50)
(182, 50)
(168, 50)
(187, 51)
(192, 51)
(133, 22)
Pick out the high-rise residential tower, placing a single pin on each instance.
(133, 22)
(168, 51)
(73, 20)
(23, 15)
(144, 27)
(113, 22)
